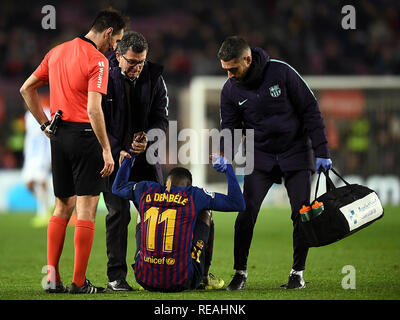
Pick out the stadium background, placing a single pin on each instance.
(363, 125)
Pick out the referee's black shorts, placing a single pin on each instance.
(76, 161)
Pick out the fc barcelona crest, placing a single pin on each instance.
(275, 91)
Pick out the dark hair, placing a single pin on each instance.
(132, 40)
(232, 48)
(109, 18)
(180, 173)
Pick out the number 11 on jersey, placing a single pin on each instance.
(155, 217)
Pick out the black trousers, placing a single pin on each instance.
(256, 187)
(117, 221)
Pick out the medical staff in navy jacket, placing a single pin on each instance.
(136, 102)
(269, 96)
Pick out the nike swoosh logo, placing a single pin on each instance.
(241, 102)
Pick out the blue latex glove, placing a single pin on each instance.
(326, 164)
(219, 163)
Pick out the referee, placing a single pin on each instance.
(77, 74)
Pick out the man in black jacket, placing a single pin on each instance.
(136, 102)
(269, 96)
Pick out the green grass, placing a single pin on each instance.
(374, 252)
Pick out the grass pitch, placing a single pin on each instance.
(374, 252)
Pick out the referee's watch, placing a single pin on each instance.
(45, 125)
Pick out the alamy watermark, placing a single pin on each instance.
(349, 280)
(49, 20)
(196, 146)
(49, 281)
(349, 20)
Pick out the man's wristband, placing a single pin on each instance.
(44, 125)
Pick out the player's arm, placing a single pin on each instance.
(97, 86)
(30, 94)
(29, 91)
(158, 116)
(306, 106)
(96, 118)
(231, 119)
(122, 187)
(108, 106)
(234, 200)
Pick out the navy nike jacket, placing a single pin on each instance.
(288, 127)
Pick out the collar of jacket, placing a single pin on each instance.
(255, 74)
(87, 40)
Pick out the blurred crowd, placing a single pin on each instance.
(185, 36)
(366, 145)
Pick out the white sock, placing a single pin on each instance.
(242, 272)
(299, 273)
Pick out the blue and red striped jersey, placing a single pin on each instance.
(167, 223)
(168, 218)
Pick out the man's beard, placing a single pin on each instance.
(110, 47)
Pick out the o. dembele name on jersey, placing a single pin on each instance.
(161, 197)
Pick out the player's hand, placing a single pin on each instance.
(139, 144)
(219, 163)
(108, 164)
(122, 155)
(326, 164)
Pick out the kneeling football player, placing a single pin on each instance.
(175, 236)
